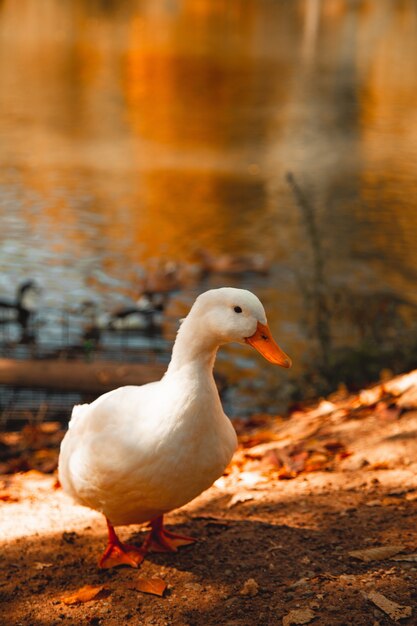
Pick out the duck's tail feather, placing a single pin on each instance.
(77, 413)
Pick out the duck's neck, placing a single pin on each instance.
(193, 348)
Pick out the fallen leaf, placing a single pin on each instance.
(316, 461)
(334, 446)
(250, 588)
(286, 474)
(8, 497)
(271, 459)
(387, 411)
(301, 582)
(298, 461)
(155, 586)
(378, 553)
(251, 478)
(373, 503)
(390, 501)
(85, 594)
(409, 399)
(254, 439)
(368, 397)
(324, 408)
(401, 384)
(240, 497)
(394, 610)
(40, 565)
(298, 616)
(387, 501)
(381, 465)
(406, 557)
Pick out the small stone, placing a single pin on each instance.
(250, 588)
(298, 616)
(193, 587)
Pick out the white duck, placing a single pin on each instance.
(136, 453)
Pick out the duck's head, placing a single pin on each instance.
(237, 315)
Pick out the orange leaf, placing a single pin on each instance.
(5, 496)
(85, 594)
(376, 553)
(334, 446)
(316, 461)
(155, 586)
(298, 461)
(286, 474)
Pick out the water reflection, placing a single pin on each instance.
(141, 133)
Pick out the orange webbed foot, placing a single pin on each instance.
(162, 540)
(118, 553)
(122, 554)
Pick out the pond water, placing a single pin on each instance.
(140, 139)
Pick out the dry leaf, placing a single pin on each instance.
(298, 461)
(368, 397)
(406, 557)
(40, 565)
(394, 610)
(298, 616)
(324, 408)
(373, 503)
(380, 465)
(387, 411)
(334, 446)
(6, 496)
(301, 582)
(85, 594)
(271, 459)
(316, 461)
(155, 586)
(238, 498)
(379, 553)
(252, 478)
(286, 474)
(409, 399)
(387, 501)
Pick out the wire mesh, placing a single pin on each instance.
(63, 336)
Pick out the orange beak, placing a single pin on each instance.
(265, 344)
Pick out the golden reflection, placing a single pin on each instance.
(137, 130)
(388, 124)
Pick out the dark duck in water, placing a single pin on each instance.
(21, 311)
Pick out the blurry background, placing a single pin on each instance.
(146, 145)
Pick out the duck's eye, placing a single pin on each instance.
(237, 309)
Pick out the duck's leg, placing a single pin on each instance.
(118, 553)
(162, 540)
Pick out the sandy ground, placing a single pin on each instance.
(275, 534)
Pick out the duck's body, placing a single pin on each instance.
(146, 315)
(136, 453)
(158, 458)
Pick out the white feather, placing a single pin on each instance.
(138, 452)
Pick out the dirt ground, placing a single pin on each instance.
(275, 534)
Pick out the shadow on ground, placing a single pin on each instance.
(296, 551)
